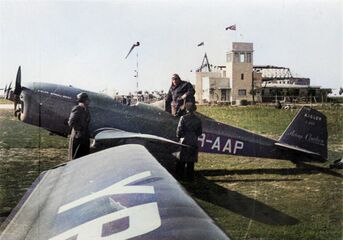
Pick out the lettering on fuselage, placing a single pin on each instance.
(142, 218)
(54, 94)
(213, 143)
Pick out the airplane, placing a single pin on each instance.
(112, 123)
(123, 192)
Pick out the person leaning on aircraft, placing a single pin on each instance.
(79, 144)
(179, 93)
(188, 131)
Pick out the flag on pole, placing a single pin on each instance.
(232, 27)
(201, 44)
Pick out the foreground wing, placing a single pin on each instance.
(113, 137)
(118, 193)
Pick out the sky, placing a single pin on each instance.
(84, 43)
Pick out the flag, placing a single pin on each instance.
(201, 44)
(232, 27)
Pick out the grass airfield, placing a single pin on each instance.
(249, 198)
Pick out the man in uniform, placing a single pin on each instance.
(179, 93)
(79, 119)
(188, 131)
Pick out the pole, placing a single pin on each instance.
(137, 70)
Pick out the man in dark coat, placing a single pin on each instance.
(179, 93)
(79, 144)
(188, 131)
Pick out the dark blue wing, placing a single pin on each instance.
(118, 193)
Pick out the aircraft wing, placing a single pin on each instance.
(118, 193)
(114, 137)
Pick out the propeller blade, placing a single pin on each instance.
(8, 90)
(17, 87)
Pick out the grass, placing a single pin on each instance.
(25, 151)
(4, 101)
(254, 198)
(249, 198)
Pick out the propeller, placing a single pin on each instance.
(17, 87)
(16, 94)
(5, 90)
(8, 90)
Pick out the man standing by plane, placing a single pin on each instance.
(179, 93)
(188, 131)
(79, 119)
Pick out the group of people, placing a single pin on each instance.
(180, 102)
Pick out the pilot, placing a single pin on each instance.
(79, 144)
(188, 131)
(179, 93)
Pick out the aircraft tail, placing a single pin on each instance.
(307, 133)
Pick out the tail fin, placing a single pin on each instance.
(307, 133)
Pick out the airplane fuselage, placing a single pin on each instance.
(49, 105)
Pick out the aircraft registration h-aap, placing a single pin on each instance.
(89, 201)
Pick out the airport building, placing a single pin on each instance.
(239, 80)
(230, 82)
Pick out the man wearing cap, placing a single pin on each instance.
(188, 131)
(179, 93)
(79, 119)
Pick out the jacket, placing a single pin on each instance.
(176, 92)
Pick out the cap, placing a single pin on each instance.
(82, 97)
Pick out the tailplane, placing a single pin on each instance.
(307, 133)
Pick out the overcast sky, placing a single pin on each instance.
(85, 43)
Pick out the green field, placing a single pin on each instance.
(249, 198)
(4, 101)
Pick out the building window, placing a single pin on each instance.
(228, 57)
(242, 76)
(242, 92)
(236, 57)
(223, 94)
(249, 58)
(242, 57)
(224, 73)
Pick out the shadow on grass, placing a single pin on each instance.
(302, 169)
(256, 180)
(208, 191)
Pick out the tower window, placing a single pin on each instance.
(249, 58)
(241, 57)
(242, 76)
(236, 57)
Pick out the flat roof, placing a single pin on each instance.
(273, 85)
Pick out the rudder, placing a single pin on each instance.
(307, 133)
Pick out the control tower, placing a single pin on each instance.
(239, 65)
